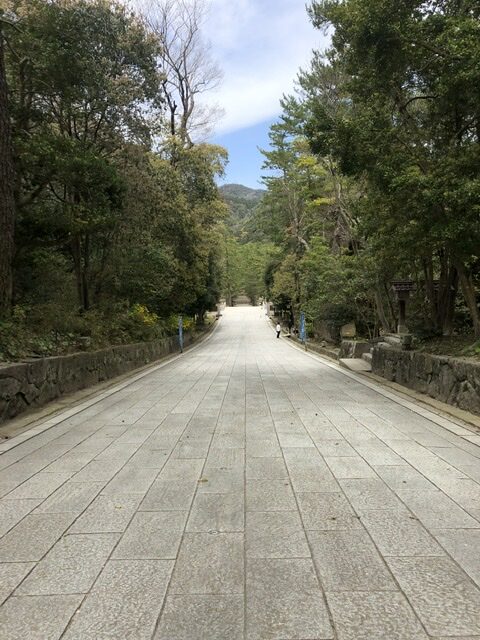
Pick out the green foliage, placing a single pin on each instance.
(377, 169)
(114, 236)
(242, 203)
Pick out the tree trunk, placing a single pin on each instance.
(77, 265)
(7, 199)
(470, 295)
(382, 316)
(447, 294)
(430, 292)
(451, 296)
(85, 273)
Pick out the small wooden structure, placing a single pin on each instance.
(402, 289)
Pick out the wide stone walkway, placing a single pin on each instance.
(244, 491)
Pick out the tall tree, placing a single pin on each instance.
(188, 67)
(412, 130)
(82, 73)
(7, 178)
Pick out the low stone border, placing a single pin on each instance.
(450, 380)
(355, 348)
(329, 352)
(33, 384)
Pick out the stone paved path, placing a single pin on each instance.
(244, 491)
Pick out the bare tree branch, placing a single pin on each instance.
(187, 65)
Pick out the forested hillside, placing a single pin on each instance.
(247, 251)
(376, 164)
(111, 218)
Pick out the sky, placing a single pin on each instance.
(260, 46)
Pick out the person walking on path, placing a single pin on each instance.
(278, 329)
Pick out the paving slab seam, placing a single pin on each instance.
(320, 581)
(134, 512)
(68, 428)
(102, 395)
(66, 416)
(430, 414)
(81, 513)
(381, 555)
(162, 609)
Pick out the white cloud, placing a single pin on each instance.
(260, 45)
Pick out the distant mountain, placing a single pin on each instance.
(242, 202)
(240, 192)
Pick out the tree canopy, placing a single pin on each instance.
(389, 185)
(112, 211)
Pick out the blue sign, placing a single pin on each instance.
(302, 329)
(180, 332)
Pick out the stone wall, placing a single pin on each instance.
(25, 385)
(329, 352)
(450, 380)
(354, 348)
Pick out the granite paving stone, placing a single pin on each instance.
(349, 561)
(437, 510)
(169, 495)
(209, 563)
(399, 533)
(349, 467)
(374, 616)
(244, 490)
(37, 617)
(12, 511)
(202, 617)
(335, 448)
(404, 477)
(11, 575)
(459, 544)
(131, 480)
(370, 494)
(327, 511)
(72, 497)
(223, 480)
(152, 535)
(266, 469)
(149, 458)
(442, 595)
(31, 538)
(71, 566)
(107, 514)
(124, 603)
(270, 495)
(221, 512)
(98, 471)
(284, 601)
(41, 485)
(276, 534)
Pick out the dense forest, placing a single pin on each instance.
(376, 171)
(112, 220)
(247, 252)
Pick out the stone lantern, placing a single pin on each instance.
(402, 289)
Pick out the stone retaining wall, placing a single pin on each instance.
(329, 352)
(25, 385)
(450, 380)
(354, 348)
